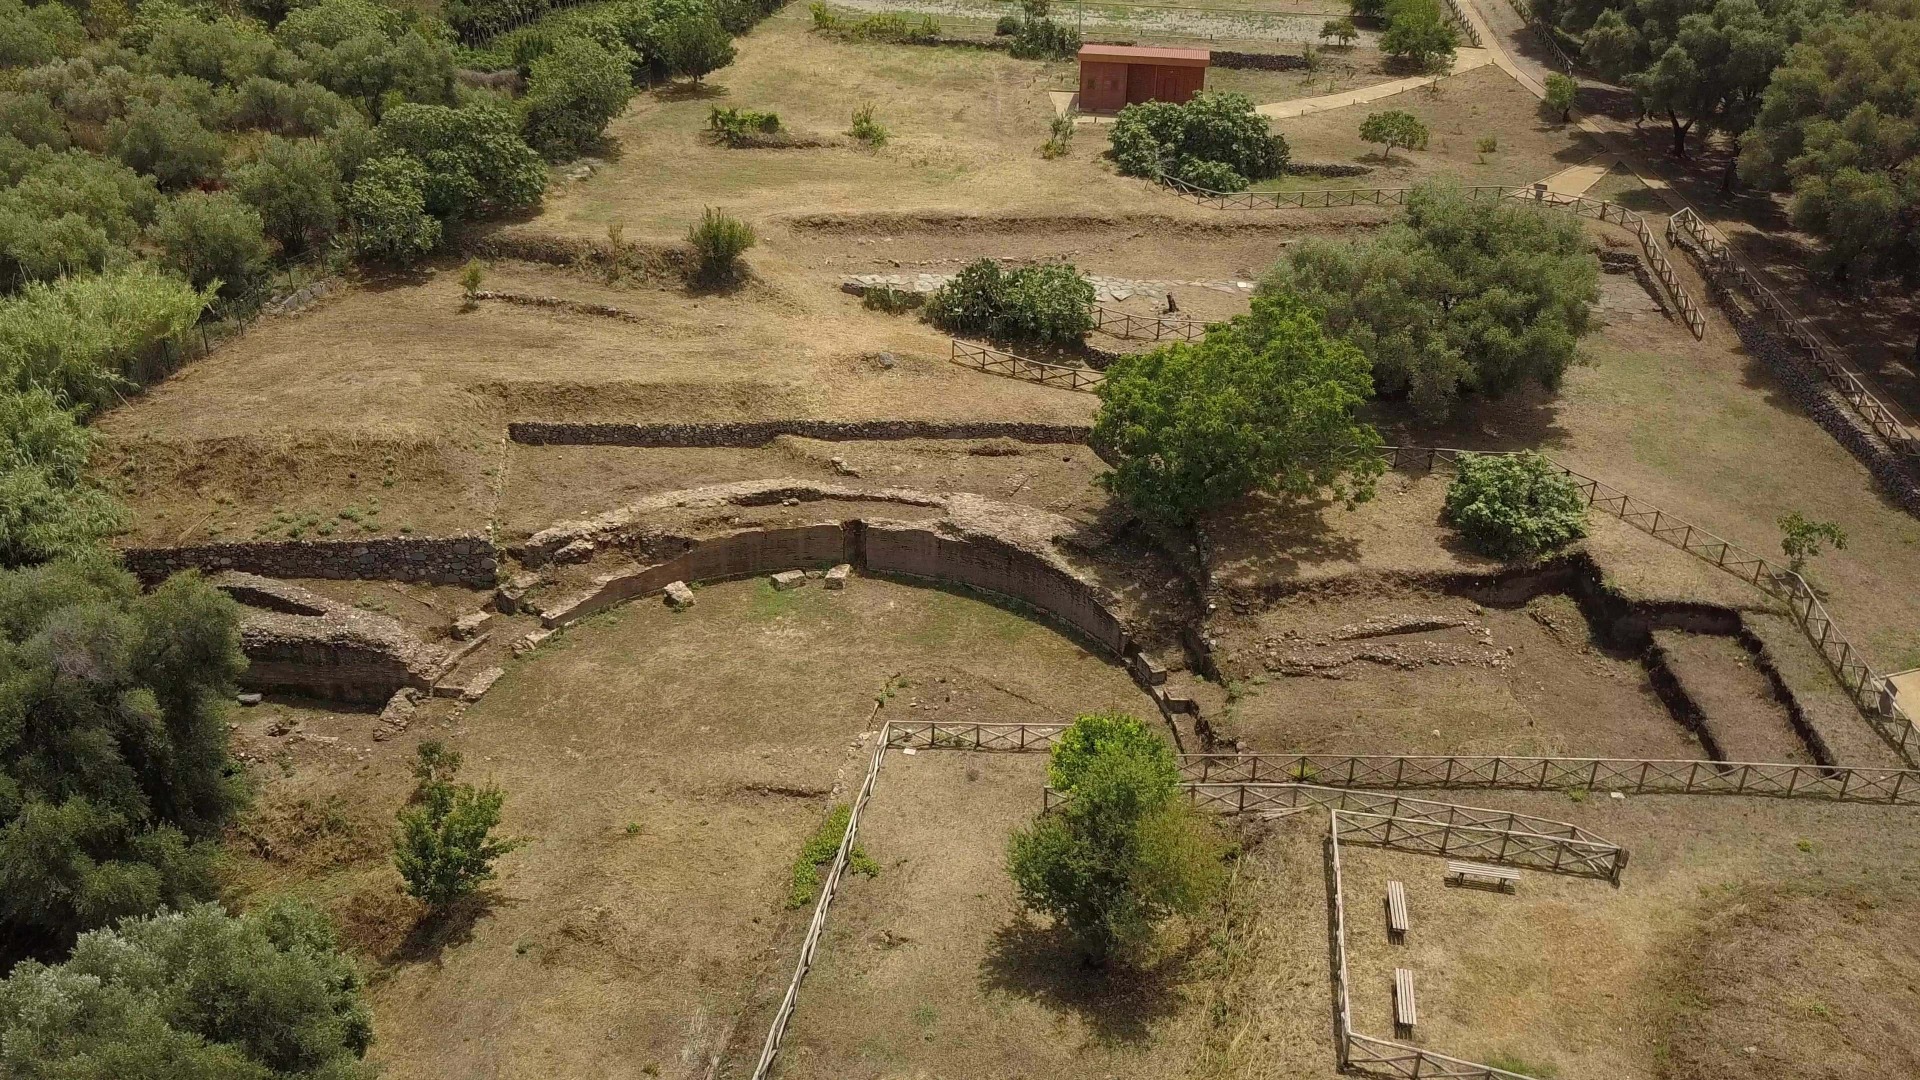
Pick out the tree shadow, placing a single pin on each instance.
(1281, 535)
(688, 91)
(451, 927)
(1120, 1004)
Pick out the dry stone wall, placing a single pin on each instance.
(450, 560)
(762, 432)
(299, 642)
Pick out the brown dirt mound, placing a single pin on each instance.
(1800, 984)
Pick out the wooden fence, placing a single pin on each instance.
(1849, 668)
(1460, 21)
(1131, 327)
(1545, 35)
(1537, 195)
(996, 362)
(1721, 264)
(1014, 738)
(1557, 854)
(1499, 773)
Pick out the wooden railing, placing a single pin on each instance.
(1131, 327)
(1387, 772)
(1719, 263)
(1384, 1057)
(1536, 195)
(1013, 738)
(1019, 367)
(1545, 35)
(1460, 20)
(1511, 847)
(1849, 668)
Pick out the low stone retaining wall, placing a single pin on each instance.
(756, 433)
(299, 642)
(450, 560)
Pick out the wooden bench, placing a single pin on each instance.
(1404, 1014)
(1500, 878)
(1396, 912)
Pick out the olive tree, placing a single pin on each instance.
(572, 92)
(445, 847)
(1394, 128)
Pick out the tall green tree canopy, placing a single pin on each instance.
(1419, 33)
(1215, 141)
(1840, 126)
(193, 994)
(1459, 296)
(114, 774)
(1265, 402)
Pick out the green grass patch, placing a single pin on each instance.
(1542, 1070)
(804, 879)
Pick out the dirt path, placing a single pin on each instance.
(1463, 60)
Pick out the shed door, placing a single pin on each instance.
(1143, 83)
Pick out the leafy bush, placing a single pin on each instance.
(49, 509)
(87, 337)
(1265, 402)
(891, 301)
(572, 93)
(1457, 297)
(1050, 304)
(166, 142)
(33, 35)
(1340, 30)
(1123, 855)
(369, 53)
(213, 240)
(1801, 539)
(67, 213)
(295, 186)
(695, 44)
(803, 878)
(119, 786)
(445, 847)
(192, 993)
(1158, 138)
(1418, 32)
(299, 109)
(1006, 26)
(1059, 137)
(719, 239)
(866, 129)
(1041, 38)
(1561, 90)
(1208, 175)
(387, 207)
(1096, 733)
(474, 159)
(1394, 128)
(1515, 506)
(32, 119)
(737, 127)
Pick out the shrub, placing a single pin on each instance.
(1096, 733)
(1047, 305)
(31, 35)
(866, 129)
(213, 240)
(803, 878)
(295, 185)
(119, 787)
(166, 142)
(695, 44)
(892, 301)
(445, 847)
(49, 509)
(1340, 30)
(1561, 90)
(1156, 138)
(737, 127)
(471, 276)
(1368, 9)
(474, 159)
(86, 337)
(1418, 32)
(1006, 26)
(1457, 297)
(1059, 136)
(719, 239)
(1394, 128)
(1040, 38)
(303, 108)
(387, 207)
(823, 17)
(192, 993)
(572, 93)
(1122, 856)
(1515, 506)
(1486, 144)
(1208, 175)
(1265, 402)
(1801, 539)
(33, 120)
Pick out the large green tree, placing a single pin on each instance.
(1458, 296)
(1840, 126)
(1215, 141)
(114, 775)
(1125, 852)
(1265, 402)
(572, 93)
(1419, 33)
(194, 994)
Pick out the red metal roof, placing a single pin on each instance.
(1134, 54)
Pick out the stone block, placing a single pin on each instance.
(789, 579)
(679, 596)
(837, 577)
(481, 683)
(576, 551)
(249, 699)
(469, 624)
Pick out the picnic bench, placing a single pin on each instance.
(1500, 878)
(1404, 1014)
(1396, 912)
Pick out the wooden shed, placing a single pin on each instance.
(1115, 76)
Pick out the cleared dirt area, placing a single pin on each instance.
(664, 770)
(1584, 979)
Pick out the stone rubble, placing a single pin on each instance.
(679, 595)
(1107, 290)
